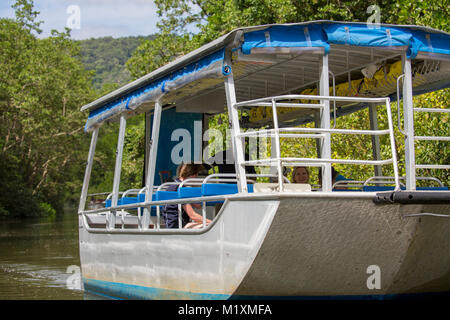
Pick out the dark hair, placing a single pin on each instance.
(186, 170)
(334, 174)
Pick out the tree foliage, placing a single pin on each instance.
(107, 57)
(42, 83)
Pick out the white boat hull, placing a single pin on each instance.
(275, 246)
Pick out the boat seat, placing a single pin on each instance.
(209, 189)
(131, 200)
(218, 189)
(127, 200)
(166, 195)
(194, 192)
(189, 192)
(390, 188)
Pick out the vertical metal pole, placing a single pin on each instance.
(318, 140)
(118, 168)
(375, 139)
(273, 154)
(198, 141)
(180, 215)
(235, 130)
(408, 113)
(151, 165)
(393, 148)
(325, 150)
(204, 214)
(147, 143)
(87, 174)
(277, 145)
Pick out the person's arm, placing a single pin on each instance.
(192, 214)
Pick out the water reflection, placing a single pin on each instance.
(35, 256)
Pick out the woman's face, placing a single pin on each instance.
(301, 175)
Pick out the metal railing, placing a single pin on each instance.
(379, 180)
(422, 138)
(318, 133)
(432, 138)
(388, 180)
(196, 182)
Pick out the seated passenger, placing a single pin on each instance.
(336, 176)
(300, 175)
(170, 211)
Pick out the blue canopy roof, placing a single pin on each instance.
(287, 37)
(362, 35)
(207, 62)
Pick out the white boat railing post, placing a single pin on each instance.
(408, 114)
(236, 141)
(140, 209)
(111, 216)
(151, 165)
(325, 150)
(277, 145)
(147, 129)
(376, 151)
(393, 147)
(87, 174)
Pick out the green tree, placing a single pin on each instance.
(42, 83)
(107, 57)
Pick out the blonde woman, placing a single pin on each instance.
(300, 175)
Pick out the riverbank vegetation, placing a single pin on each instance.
(42, 145)
(44, 82)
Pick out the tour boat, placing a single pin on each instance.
(381, 238)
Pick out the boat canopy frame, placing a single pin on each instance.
(204, 78)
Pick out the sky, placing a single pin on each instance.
(93, 18)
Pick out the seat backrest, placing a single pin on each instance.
(217, 189)
(189, 192)
(166, 195)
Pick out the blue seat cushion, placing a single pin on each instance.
(166, 195)
(379, 188)
(131, 200)
(128, 200)
(216, 189)
(189, 192)
(433, 188)
(390, 188)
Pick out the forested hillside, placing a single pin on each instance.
(107, 57)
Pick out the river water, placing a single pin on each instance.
(39, 259)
